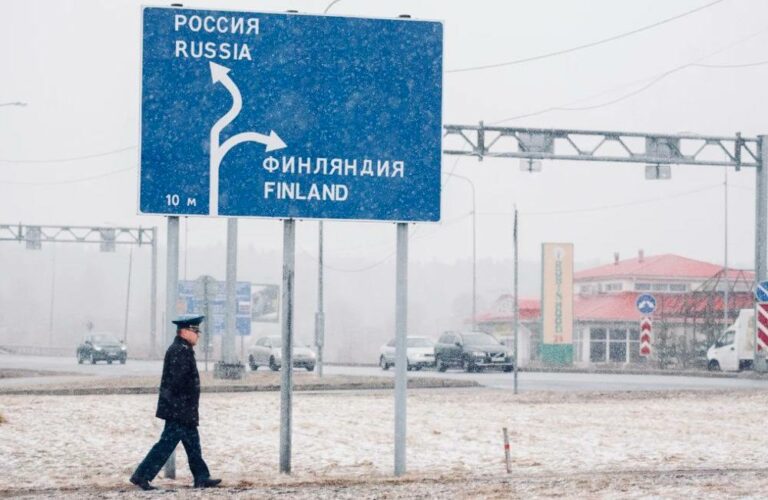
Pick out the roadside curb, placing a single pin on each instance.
(606, 371)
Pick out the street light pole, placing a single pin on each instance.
(474, 248)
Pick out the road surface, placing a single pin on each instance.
(528, 381)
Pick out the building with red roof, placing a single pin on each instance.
(690, 312)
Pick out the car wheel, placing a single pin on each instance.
(109, 361)
(440, 364)
(93, 359)
(79, 359)
(122, 361)
(383, 363)
(467, 366)
(310, 368)
(408, 366)
(252, 363)
(713, 366)
(508, 369)
(272, 365)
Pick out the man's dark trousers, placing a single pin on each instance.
(158, 455)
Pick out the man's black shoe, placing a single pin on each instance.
(207, 483)
(142, 483)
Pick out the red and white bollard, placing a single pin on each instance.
(506, 451)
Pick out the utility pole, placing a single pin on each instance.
(53, 295)
(725, 250)
(515, 304)
(128, 296)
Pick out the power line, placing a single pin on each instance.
(73, 158)
(334, 2)
(726, 66)
(653, 80)
(586, 45)
(70, 181)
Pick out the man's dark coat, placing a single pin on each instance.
(180, 386)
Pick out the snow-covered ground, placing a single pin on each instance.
(94, 442)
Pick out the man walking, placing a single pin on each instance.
(178, 406)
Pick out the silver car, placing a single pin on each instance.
(267, 351)
(420, 353)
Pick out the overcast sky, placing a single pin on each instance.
(76, 64)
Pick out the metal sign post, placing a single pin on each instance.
(229, 367)
(286, 364)
(171, 292)
(320, 315)
(401, 347)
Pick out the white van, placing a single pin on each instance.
(734, 350)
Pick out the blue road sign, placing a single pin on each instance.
(761, 292)
(646, 303)
(290, 116)
(191, 301)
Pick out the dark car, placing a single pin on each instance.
(472, 351)
(102, 347)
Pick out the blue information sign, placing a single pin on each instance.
(646, 303)
(191, 300)
(761, 291)
(290, 116)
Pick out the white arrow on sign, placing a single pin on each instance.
(220, 74)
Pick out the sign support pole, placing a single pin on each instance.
(171, 292)
(229, 367)
(320, 316)
(401, 358)
(761, 232)
(286, 365)
(153, 297)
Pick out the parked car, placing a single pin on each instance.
(472, 351)
(102, 347)
(267, 351)
(420, 352)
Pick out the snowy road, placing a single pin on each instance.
(529, 381)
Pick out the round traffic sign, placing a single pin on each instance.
(646, 303)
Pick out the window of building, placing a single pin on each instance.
(642, 287)
(613, 287)
(634, 346)
(597, 347)
(673, 287)
(617, 346)
(578, 343)
(585, 289)
(660, 287)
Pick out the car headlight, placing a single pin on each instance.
(122, 347)
(478, 354)
(96, 348)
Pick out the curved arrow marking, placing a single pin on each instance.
(220, 74)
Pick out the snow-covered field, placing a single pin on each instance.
(92, 443)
